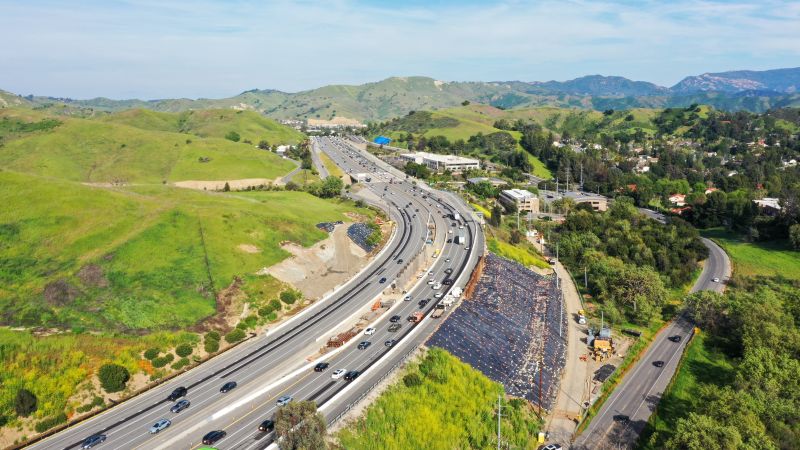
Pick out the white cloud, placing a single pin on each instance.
(205, 48)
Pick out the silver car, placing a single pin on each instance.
(283, 401)
(160, 425)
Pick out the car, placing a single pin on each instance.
(321, 366)
(364, 345)
(447, 260)
(227, 387)
(430, 273)
(447, 282)
(180, 406)
(338, 373)
(369, 331)
(94, 440)
(621, 418)
(551, 447)
(675, 338)
(213, 437)
(160, 425)
(283, 401)
(423, 302)
(394, 319)
(466, 247)
(390, 342)
(448, 270)
(431, 282)
(461, 227)
(449, 241)
(177, 393)
(407, 298)
(394, 327)
(352, 375)
(438, 295)
(715, 280)
(450, 231)
(437, 286)
(400, 261)
(658, 363)
(382, 280)
(267, 426)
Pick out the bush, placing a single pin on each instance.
(275, 304)
(183, 362)
(412, 379)
(96, 401)
(232, 136)
(272, 317)
(251, 321)
(211, 346)
(265, 311)
(184, 350)
(290, 296)
(25, 403)
(235, 335)
(113, 377)
(163, 361)
(151, 353)
(212, 335)
(50, 422)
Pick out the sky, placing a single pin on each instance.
(152, 49)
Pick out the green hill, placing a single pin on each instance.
(134, 258)
(93, 151)
(214, 123)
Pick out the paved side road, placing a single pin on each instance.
(642, 387)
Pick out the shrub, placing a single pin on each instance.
(290, 296)
(3, 420)
(272, 317)
(412, 379)
(235, 335)
(275, 304)
(251, 321)
(163, 361)
(25, 403)
(184, 350)
(232, 136)
(151, 353)
(50, 422)
(113, 377)
(264, 311)
(183, 362)
(211, 346)
(212, 335)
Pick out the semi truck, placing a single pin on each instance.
(438, 311)
(416, 317)
(459, 240)
(456, 216)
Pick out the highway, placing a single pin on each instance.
(274, 364)
(642, 387)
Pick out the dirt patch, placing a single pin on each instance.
(91, 275)
(234, 185)
(318, 269)
(60, 293)
(247, 248)
(229, 305)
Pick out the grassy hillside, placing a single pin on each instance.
(134, 258)
(215, 123)
(91, 151)
(441, 403)
(758, 258)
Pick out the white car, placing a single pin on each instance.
(437, 286)
(369, 331)
(450, 231)
(283, 401)
(715, 280)
(438, 295)
(160, 425)
(431, 281)
(430, 273)
(407, 298)
(466, 248)
(338, 373)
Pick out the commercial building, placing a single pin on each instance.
(521, 199)
(597, 202)
(496, 182)
(442, 163)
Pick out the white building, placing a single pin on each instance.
(441, 163)
(523, 200)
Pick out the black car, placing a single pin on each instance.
(180, 406)
(447, 282)
(449, 241)
(382, 280)
(213, 436)
(400, 261)
(92, 441)
(424, 302)
(363, 345)
(266, 426)
(390, 343)
(621, 418)
(352, 375)
(675, 338)
(658, 363)
(394, 319)
(320, 367)
(394, 327)
(177, 393)
(227, 387)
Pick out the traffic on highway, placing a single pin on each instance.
(230, 401)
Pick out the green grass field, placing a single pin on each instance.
(441, 403)
(520, 254)
(333, 169)
(145, 243)
(90, 151)
(210, 123)
(758, 258)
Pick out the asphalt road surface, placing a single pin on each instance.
(269, 366)
(625, 413)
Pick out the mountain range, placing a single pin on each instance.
(393, 97)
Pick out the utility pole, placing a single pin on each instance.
(567, 178)
(585, 278)
(581, 174)
(499, 412)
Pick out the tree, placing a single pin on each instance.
(700, 432)
(465, 103)
(497, 215)
(232, 136)
(227, 187)
(642, 289)
(25, 403)
(328, 188)
(298, 425)
(113, 377)
(794, 236)
(263, 144)
(235, 336)
(183, 350)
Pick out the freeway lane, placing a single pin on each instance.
(642, 387)
(259, 360)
